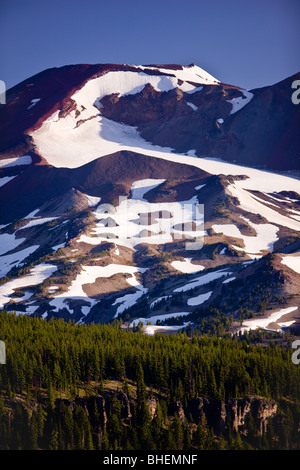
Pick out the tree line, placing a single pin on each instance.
(47, 361)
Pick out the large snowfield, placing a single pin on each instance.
(64, 144)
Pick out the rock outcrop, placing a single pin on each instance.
(235, 411)
(218, 414)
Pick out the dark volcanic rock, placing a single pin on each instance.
(263, 133)
(107, 177)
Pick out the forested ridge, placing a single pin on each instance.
(56, 388)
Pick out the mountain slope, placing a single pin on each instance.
(109, 210)
(256, 128)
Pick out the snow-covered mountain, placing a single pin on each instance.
(149, 193)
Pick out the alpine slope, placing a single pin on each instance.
(155, 195)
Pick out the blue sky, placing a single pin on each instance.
(247, 43)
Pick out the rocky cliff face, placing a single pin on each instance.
(260, 409)
(113, 409)
(218, 414)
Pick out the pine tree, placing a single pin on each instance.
(51, 395)
(222, 444)
(270, 434)
(170, 442)
(105, 441)
(146, 436)
(53, 440)
(187, 438)
(141, 387)
(177, 432)
(67, 425)
(200, 434)
(238, 443)
(157, 423)
(34, 431)
(41, 418)
(89, 445)
(115, 423)
(3, 425)
(251, 430)
(287, 429)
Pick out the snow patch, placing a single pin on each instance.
(186, 266)
(152, 320)
(37, 221)
(195, 90)
(292, 261)
(57, 247)
(230, 279)
(7, 262)
(52, 289)
(27, 295)
(249, 203)
(32, 214)
(199, 187)
(34, 102)
(93, 200)
(264, 323)
(199, 299)
(9, 162)
(202, 280)
(9, 242)
(36, 276)
(88, 275)
(191, 73)
(192, 105)
(152, 329)
(141, 187)
(240, 102)
(6, 179)
(128, 300)
(157, 301)
(266, 236)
